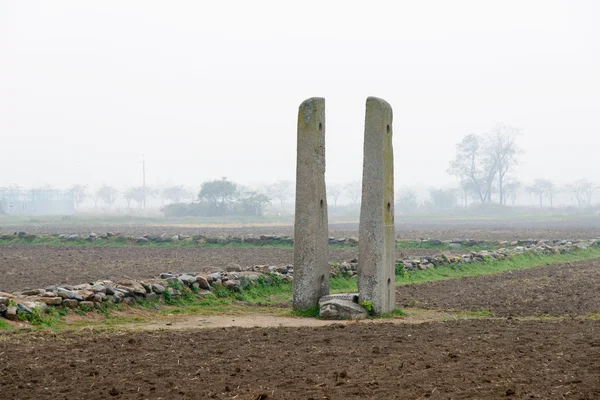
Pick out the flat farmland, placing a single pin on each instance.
(557, 290)
(522, 334)
(29, 266)
(470, 359)
(406, 228)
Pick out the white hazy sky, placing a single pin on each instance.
(211, 89)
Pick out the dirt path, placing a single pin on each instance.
(264, 320)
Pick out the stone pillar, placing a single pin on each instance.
(311, 234)
(376, 255)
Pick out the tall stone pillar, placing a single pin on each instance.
(376, 255)
(311, 235)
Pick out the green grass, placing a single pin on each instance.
(312, 312)
(429, 245)
(4, 325)
(414, 244)
(265, 294)
(207, 305)
(477, 269)
(342, 285)
(51, 318)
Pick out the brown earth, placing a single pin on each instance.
(473, 359)
(565, 289)
(465, 359)
(26, 266)
(408, 228)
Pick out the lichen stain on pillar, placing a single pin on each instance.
(376, 281)
(311, 252)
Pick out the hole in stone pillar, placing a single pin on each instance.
(389, 282)
(389, 207)
(320, 128)
(322, 279)
(388, 129)
(321, 203)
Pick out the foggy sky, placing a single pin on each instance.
(212, 89)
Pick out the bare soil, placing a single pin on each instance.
(409, 228)
(565, 289)
(26, 266)
(516, 356)
(472, 359)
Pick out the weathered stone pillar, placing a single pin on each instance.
(311, 235)
(376, 244)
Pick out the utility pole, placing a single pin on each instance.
(144, 180)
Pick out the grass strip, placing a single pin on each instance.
(4, 325)
(516, 262)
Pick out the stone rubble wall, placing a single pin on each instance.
(255, 240)
(235, 278)
(521, 247)
(129, 291)
(258, 240)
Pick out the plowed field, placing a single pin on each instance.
(26, 266)
(542, 340)
(557, 290)
(409, 228)
(482, 359)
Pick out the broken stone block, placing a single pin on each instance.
(341, 309)
(11, 313)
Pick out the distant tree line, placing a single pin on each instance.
(221, 198)
(484, 164)
(544, 190)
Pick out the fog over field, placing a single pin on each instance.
(211, 90)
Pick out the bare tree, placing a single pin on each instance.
(551, 191)
(474, 167)
(96, 196)
(511, 190)
(128, 195)
(281, 190)
(481, 161)
(539, 188)
(136, 194)
(108, 194)
(467, 190)
(582, 190)
(335, 191)
(406, 201)
(354, 189)
(79, 194)
(503, 151)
